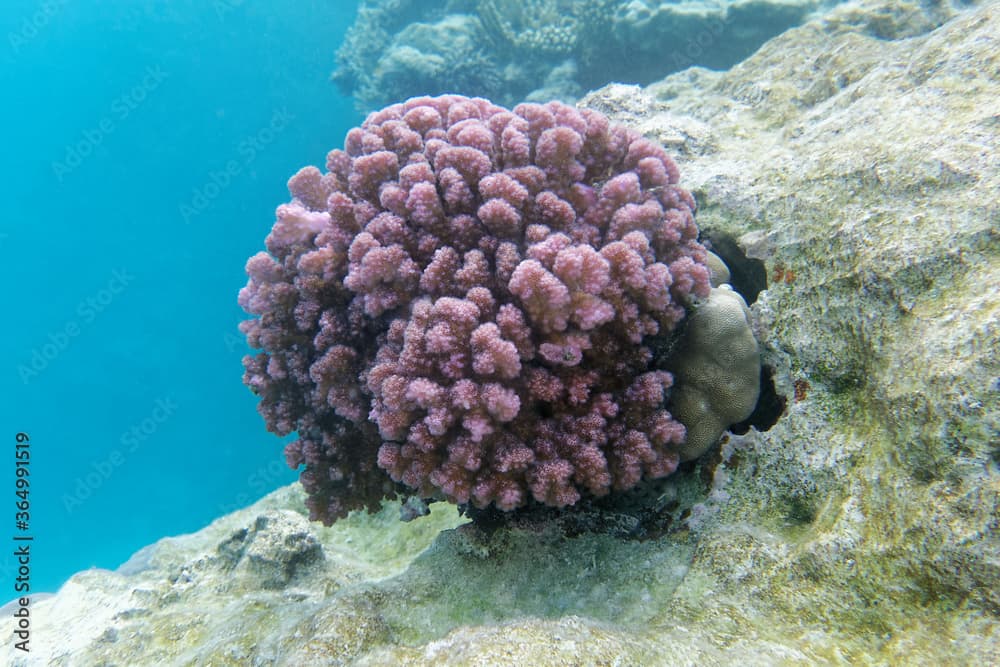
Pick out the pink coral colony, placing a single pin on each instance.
(462, 306)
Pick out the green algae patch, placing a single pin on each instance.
(381, 543)
(463, 580)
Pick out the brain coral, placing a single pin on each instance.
(463, 306)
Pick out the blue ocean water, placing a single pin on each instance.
(146, 145)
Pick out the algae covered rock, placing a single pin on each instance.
(260, 586)
(855, 157)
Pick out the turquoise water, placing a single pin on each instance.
(146, 145)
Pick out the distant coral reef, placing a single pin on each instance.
(536, 50)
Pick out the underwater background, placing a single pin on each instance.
(126, 241)
(842, 158)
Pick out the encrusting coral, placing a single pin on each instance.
(717, 368)
(466, 300)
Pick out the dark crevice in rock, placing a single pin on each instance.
(647, 511)
(770, 406)
(747, 276)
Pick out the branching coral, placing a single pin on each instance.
(465, 301)
(538, 27)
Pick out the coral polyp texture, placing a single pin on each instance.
(465, 304)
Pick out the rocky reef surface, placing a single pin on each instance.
(855, 157)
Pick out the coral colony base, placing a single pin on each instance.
(469, 303)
